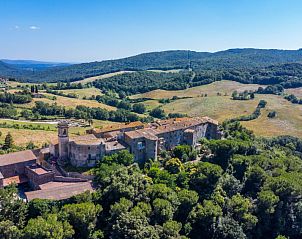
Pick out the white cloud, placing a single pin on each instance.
(17, 27)
(34, 28)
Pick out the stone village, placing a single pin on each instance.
(38, 168)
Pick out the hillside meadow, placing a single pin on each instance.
(213, 100)
(67, 102)
(46, 134)
(295, 91)
(85, 92)
(222, 107)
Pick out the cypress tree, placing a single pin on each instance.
(8, 142)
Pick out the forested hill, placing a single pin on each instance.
(8, 70)
(233, 58)
(287, 75)
(33, 65)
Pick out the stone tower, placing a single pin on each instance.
(63, 139)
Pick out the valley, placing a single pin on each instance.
(213, 100)
(161, 81)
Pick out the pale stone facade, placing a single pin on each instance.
(143, 141)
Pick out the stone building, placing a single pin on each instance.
(144, 141)
(22, 167)
(165, 135)
(13, 164)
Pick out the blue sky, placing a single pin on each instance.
(90, 30)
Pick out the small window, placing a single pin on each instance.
(140, 145)
(88, 147)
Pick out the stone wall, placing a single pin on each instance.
(15, 169)
(85, 155)
(36, 179)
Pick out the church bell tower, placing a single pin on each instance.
(63, 139)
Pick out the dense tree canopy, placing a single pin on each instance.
(245, 187)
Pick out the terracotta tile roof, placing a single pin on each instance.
(119, 127)
(169, 125)
(60, 192)
(37, 169)
(148, 133)
(114, 145)
(54, 141)
(88, 139)
(15, 179)
(178, 125)
(210, 120)
(54, 184)
(172, 120)
(17, 157)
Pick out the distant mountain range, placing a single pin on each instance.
(247, 58)
(32, 65)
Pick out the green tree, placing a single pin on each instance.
(184, 152)
(8, 142)
(30, 145)
(203, 219)
(241, 208)
(12, 208)
(119, 208)
(174, 165)
(171, 229)
(158, 113)
(8, 230)
(139, 108)
(164, 192)
(133, 224)
(48, 228)
(204, 178)
(125, 182)
(40, 207)
(162, 210)
(122, 157)
(187, 199)
(82, 217)
(230, 184)
(228, 228)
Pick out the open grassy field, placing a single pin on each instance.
(288, 120)
(295, 91)
(218, 106)
(88, 92)
(67, 102)
(23, 136)
(91, 79)
(210, 89)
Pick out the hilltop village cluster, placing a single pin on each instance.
(144, 141)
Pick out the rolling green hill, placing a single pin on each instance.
(179, 59)
(288, 75)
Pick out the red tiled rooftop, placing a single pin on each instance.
(17, 157)
(88, 139)
(142, 133)
(38, 170)
(60, 192)
(114, 145)
(54, 184)
(15, 179)
(119, 127)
